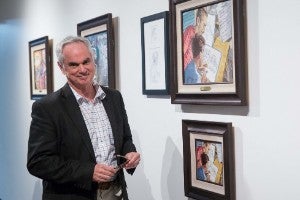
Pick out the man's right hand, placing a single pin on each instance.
(103, 173)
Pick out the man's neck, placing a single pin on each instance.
(87, 92)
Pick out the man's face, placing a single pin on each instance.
(78, 65)
(201, 24)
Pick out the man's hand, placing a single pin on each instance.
(134, 159)
(103, 173)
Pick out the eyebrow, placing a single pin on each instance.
(85, 61)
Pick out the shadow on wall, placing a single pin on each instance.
(203, 198)
(37, 193)
(222, 110)
(172, 179)
(138, 185)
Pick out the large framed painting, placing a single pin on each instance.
(99, 31)
(40, 69)
(208, 52)
(208, 157)
(155, 53)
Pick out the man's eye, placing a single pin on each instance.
(73, 65)
(86, 62)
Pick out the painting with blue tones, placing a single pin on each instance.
(99, 45)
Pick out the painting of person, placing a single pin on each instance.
(209, 162)
(197, 28)
(195, 72)
(40, 75)
(202, 172)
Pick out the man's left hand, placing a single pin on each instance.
(134, 159)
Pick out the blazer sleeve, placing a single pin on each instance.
(128, 145)
(44, 159)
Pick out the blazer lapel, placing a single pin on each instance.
(73, 110)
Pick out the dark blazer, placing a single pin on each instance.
(60, 150)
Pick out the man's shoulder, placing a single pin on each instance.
(110, 91)
(51, 98)
(112, 95)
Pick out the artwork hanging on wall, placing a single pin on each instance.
(41, 82)
(208, 157)
(155, 53)
(99, 31)
(208, 53)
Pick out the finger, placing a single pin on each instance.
(105, 173)
(105, 169)
(104, 177)
(133, 163)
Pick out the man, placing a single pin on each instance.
(77, 131)
(190, 32)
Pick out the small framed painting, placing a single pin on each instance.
(208, 157)
(40, 68)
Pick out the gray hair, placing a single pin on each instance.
(69, 40)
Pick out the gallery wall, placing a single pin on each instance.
(266, 132)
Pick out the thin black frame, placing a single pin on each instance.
(42, 46)
(215, 131)
(104, 23)
(202, 96)
(165, 16)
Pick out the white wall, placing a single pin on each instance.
(266, 132)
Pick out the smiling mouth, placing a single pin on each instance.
(83, 77)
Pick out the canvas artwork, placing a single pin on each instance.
(40, 67)
(99, 45)
(209, 170)
(40, 70)
(207, 44)
(99, 31)
(209, 161)
(208, 52)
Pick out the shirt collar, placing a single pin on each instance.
(100, 94)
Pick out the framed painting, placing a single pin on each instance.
(208, 52)
(155, 53)
(208, 157)
(40, 68)
(99, 31)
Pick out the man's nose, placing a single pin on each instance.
(82, 67)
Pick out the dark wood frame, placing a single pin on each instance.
(39, 44)
(165, 16)
(204, 97)
(192, 129)
(104, 23)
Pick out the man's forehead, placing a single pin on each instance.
(73, 44)
(77, 59)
